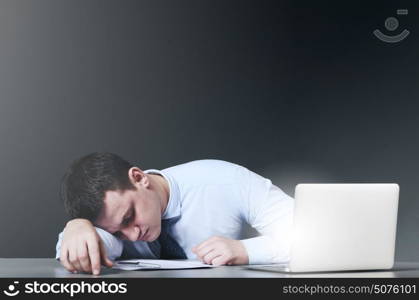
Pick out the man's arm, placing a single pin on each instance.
(112, 244)
(81, 247)
(270, 211)
(267, 209)
(116, 248)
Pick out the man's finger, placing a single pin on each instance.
(204, 251)
(208, 258)
(203, 244)
(219, 261)
(104, 257)
(72, 255)
(83, 255)
(64, 260)
(94, 255)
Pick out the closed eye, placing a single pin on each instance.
(128, 219)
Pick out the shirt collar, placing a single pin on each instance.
(173, 206)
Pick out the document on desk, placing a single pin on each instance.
(160, 264)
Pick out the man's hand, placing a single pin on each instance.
(82, 248)
(219, 251)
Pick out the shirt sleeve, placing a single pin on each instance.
(112, 244)
(270, 211)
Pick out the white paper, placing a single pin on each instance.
(160, 264)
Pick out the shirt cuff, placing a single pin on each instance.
(262, 250)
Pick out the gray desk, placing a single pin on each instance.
(48, 267)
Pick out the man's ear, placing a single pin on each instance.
(138, 177)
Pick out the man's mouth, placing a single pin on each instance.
(143, 235)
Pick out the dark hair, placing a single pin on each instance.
(87, 179)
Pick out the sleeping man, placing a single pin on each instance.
(194, 210)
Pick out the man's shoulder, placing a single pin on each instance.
(209, 171)
(204, 165)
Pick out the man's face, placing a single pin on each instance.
(131, 214)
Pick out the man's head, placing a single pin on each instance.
(115, 195)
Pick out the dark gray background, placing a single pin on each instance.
(294, 90)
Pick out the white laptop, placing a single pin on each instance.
(342, 227)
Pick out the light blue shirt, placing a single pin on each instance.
(216, 198)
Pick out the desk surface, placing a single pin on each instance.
(48, 267)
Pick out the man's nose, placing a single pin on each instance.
(131, 233)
